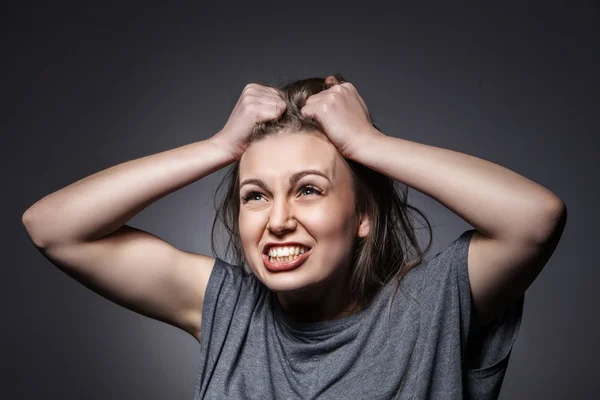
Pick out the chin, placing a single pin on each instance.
(286, 285)
(286, 281)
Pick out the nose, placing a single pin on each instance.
(281, 219)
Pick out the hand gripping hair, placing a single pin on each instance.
(332, 80)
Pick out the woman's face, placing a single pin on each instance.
(315, 210)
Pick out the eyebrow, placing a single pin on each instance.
(293, 179)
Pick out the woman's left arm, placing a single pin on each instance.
(518, 222)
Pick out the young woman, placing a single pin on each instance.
(329, 295)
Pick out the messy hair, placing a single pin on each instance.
(391, 248)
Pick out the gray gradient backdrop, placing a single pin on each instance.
(90, 87)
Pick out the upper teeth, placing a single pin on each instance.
(286, 251)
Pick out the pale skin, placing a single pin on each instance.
(516, 220)
(315, 210)
(82, 228)
(518, 223)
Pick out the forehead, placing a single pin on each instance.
(283, 154)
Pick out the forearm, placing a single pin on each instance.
(498, 202)
(103, 202)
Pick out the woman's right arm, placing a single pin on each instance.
(81, 228)
(101, 203)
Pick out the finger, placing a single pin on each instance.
(305, 110)
(363, 104)
(350, 86)
(309, 111)
(312, 98)
(267, 97)
(361, 101)
(271, 109)
(277, 92)
(331, 81)
(262, 101)
(261, 90)
(270, 103)
(274, 96)
(269, 91)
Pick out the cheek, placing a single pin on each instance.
(250, 228)
(331, 221)
(250, 219)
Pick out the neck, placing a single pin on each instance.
(327, 302)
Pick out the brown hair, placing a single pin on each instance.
(391, 248)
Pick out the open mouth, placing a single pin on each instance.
(281, 254)
(285, 263)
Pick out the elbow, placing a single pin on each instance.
(560, 217)
(557, 212)
(556, 220)
(32, 229)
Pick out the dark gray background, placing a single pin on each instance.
(88, 87)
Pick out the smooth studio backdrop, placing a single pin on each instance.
(88, 87)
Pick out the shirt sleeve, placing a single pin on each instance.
(485, 365)
(230, 299)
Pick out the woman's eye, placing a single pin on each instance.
(304, 189)
(251, 196)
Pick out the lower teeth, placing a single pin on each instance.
(283, 259)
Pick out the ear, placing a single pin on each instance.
(364, 225)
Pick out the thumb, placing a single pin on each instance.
(309, 111)
(333, 80)
(306, 110)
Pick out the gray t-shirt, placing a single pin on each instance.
(414, 350)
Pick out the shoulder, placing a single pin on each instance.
(445, 270)
(233, 272)
(228, 282)
(451, 259)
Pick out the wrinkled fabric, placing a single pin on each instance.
(414, 349)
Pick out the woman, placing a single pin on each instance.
(329, 303)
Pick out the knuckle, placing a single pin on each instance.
(251, 107)
(249, 87)
(248, 99)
